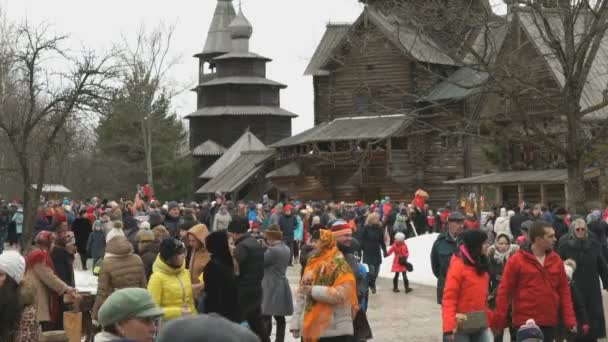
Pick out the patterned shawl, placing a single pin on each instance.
(328, 268)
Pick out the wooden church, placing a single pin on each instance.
(236, 103)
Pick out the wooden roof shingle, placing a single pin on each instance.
(208, 148)
(247, 142)
(332, 37)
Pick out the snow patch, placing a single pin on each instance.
(420, 256)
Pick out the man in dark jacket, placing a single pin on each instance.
(599, 228)
(287, 223)
(443, 249)
(515, 222)
(173, 219)
(249, 254)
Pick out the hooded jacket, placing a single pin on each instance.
(535, 291)
(220, 280)
(171, 289)
(200, 257)
(120, 269)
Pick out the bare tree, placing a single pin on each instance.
(147, 63)
(44, 87)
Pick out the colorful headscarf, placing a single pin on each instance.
(327, 268)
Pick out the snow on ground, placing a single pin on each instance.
(420, 257)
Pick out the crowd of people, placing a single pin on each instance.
(228, 261)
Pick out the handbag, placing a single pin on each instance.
(362, 330)
(471, 322)
(409, 266)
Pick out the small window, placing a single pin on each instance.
(361, 103)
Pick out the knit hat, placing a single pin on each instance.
(456, 216)
(125, 304)
(569, 267)
(144, 225)
(145, 235)
(205, 328)
(340, 227)
(171, 247)
(526, 225)
(596, 215)
(172, 205)
(238, 225)
(160, 233)
(155, 219)
(530, 332)
(400, 236)
(13, 265)
(274, 232)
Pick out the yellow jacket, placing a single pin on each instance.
(171, 288)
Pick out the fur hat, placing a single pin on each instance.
(529, 332)
(117, 225)
(160, 233)
(569, 267)
(274, 232)
(13, 265)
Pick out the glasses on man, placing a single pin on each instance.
(579, 229)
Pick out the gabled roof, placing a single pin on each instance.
(334, 33)
(218, 38)
(597, 82)
(463, 83)
(208, 148)
(247, 142)
(350, 128)
(409, 39)
(242, 80)
(241, 110)
(53, 188)
(238, 173)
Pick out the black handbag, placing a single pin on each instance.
(409, 267)
(362, 330)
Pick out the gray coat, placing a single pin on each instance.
(276, 299)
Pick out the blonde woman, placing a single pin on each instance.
(372, 241)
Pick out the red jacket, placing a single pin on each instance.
(465, 291)
(400, 249)
(537, 291)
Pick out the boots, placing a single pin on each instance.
(406, 283)
(396, 283)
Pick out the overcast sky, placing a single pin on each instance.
(287, 31)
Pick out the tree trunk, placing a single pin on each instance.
(29, 217)
(576, 186)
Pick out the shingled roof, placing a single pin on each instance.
(237, 173)
(208, 148)
(241, 110)
(332, 37)
(350, 128)
(597, 82)
(247, 142)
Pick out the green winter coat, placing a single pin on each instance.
(441, 254)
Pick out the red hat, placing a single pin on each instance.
(359, 204)
(340, 227)
(288, 208)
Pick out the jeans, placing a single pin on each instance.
(484, 336)
(280, 335)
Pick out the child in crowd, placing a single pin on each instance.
(96, 245)
(400, 262)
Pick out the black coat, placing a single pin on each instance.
(600, 229)
(372, 241)
(220, 290)
(590, 267)
(64, 264)
(560, 227)
(250, 256)
(515, 224)
(82, 229)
